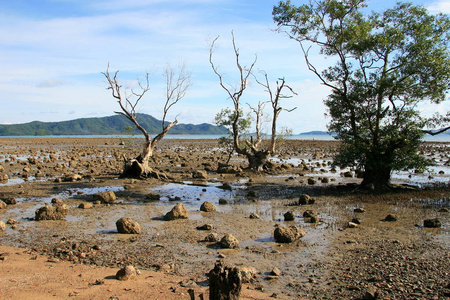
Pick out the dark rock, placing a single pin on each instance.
(225, 282)
(205, 227)
(212, 238)
(10, 201)
(127, 226)
(391, 218)
(289, 216)
(223, 201)
(359, 210)
(200, 174)
(432, 223)
(153, 197)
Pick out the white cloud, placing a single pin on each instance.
(441, 6)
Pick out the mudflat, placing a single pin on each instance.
(360, 245)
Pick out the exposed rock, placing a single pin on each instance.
(2, 226)
(352, 225)
(371, 294)
(85, 205)
(311, 181)
(129, 272)
(254, 216)
(212, 238)
(290, 234)
(179, 211)
(248, 274)
(2, 205)
(57, 201)
(391, 218)
(356, 221)
(105, 197)
(359, 210)
(432, 223)
(275, 271)
(10, 201)
(56, 212)
(207, 207)
(200, 174)
(72, 177)
(289, 216)
(153, 197)
(310, 213)
(305, 199)
(229, 241)
(223, 201)
(205, 227)
(127, 226)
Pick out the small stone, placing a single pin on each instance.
(105, 197)
(223, 201)
(356, 221)
(2, 226)
(248, 274)
(254, 216)
(129, 272)
(352, 225)
(288, 234)
(86, 205)
(359, 210)
(275, 271)
(205, 227)
(212, 238)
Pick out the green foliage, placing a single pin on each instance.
(387, 63)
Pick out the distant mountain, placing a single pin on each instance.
(112, 125)
(315, 133)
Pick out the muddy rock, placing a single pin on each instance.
(2, 205)
(212, 238)
(153, 197)
(205, 227)
(290, 234)
(229, 241)
(248, 274)
(56, 212)
(254, 216)
(223, 201)
(228, 169)
(127, 226)
(10, 201)
(56, 201)
(305, 199)
(207, 207)
(85, 205)
(200, 174)
(289, 216)
(72, 178)
(127, 273)
(432, 223)
(105, 197)
(2, 226)
(179, 211)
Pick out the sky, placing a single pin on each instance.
(53, 53)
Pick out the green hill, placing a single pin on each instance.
(112, 125)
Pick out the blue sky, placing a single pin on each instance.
(52, 53)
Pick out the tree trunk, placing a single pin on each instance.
(377, 179)
(139, 167)
(225, 283)
(257, 159)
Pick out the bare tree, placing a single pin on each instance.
(177, 84)
(251, 148)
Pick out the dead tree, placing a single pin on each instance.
(225, 283)
(177, 84)
(251, 148)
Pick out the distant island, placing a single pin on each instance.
(315, 133)
(112, 125)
